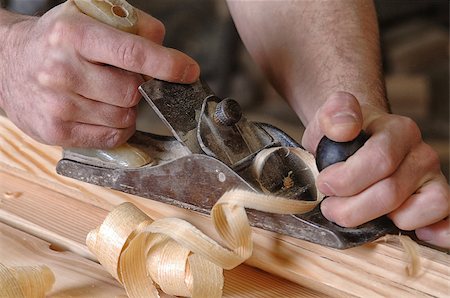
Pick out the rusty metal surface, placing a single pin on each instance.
(192, 182)
(173, 183)
(204, 123)
(212, 152)
(178, 106)
(232, 143)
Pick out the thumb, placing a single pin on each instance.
(340, 119)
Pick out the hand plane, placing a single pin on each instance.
(211, 151)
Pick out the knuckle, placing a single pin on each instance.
(389, 198)
(57, 73)
(132, 95)
(61, 31)
(432, 157)
(384, 156)
(112, 137)
(125, 117)
(441, 199)
(159, 31)
(131, 55)
(413, 129)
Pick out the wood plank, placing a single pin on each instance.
(74, 275)
(370, 270)
(36, 209)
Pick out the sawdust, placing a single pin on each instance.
(288, 182)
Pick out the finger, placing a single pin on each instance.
(64, 106)
(392, 137)
(340, 118)
(312, 135)
(64, 71)
(83, 110)
(137, 54)
(384, 196)
(436, 234)
(428, 205)
(94, 136)
(150, 27)
(110, 85)
(101, 43)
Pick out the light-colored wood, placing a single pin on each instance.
(35, 210)
(367, 271)
(75, 276)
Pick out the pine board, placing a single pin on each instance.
(65, 222)
(367, 271)
(75, 275)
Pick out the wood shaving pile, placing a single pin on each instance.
(173, 255)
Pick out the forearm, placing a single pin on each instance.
(310, 49)
(8, 22)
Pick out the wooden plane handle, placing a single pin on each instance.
(116, 13)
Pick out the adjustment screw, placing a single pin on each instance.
(228, 112)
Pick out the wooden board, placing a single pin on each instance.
(36, 209)
(75, 276)
(367, 271)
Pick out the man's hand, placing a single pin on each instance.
(394, 173)
(67, 79)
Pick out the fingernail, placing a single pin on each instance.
(343, 118)
(190, 73)
(326, 189)
(424, 234)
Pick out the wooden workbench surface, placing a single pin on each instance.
(55, 210)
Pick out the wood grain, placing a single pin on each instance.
(75, 276)
(372, 270)
(36, 209)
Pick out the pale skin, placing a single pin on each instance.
(323, 57)
(70, 80)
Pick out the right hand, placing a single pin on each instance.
(72, 81)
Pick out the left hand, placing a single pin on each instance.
(394, 173)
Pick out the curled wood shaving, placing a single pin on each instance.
(25, 282)
(411, 252)
(174, 255)
(307, 159)
(412, 255)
